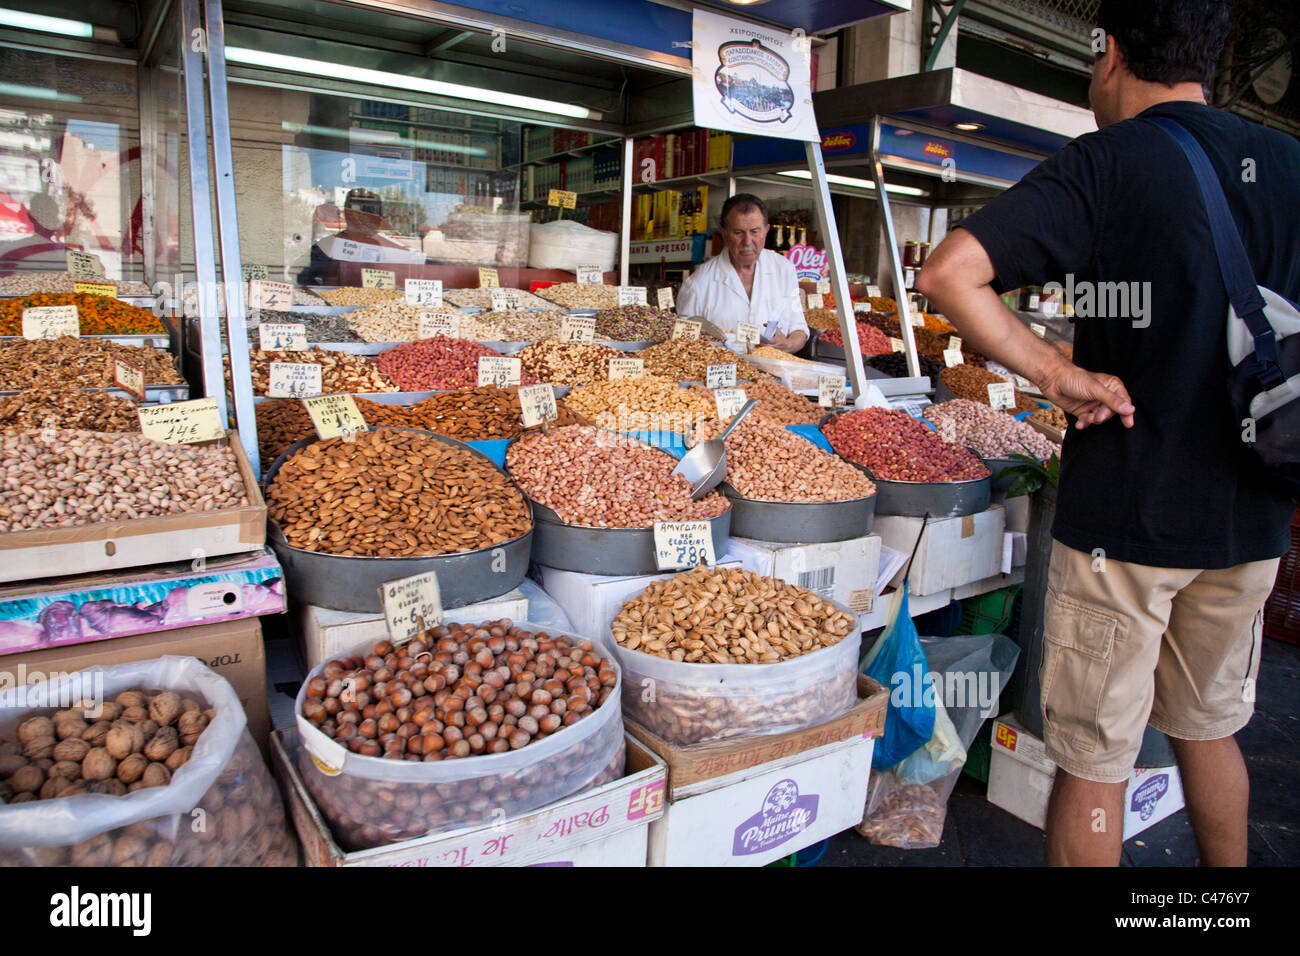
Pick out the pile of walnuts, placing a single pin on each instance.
(139, 740)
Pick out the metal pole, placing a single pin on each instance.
(236, 331)
(625, 234)
(895, 261)
(839, 279)
(192, 40)
(148, 158)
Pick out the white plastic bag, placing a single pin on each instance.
(565, 244)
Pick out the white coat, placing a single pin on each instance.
(715, 293)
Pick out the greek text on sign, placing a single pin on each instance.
(684, 329)
(254, 272)
(378, 279)
(631, 295)
(272, 296)
(282, 336)
(335, 415)
(620, 368)
(538, 403)
(830, 390)
(51, 321)
(182, 423)
(578, 328)
(107, 290)
(439, 323)
(564, 198)
(425, 292)
(721, 376)
(488, 279)
(665, 297)
(815, 300)
(504, 299)
(954, 342)
(294, 380)
(129, 378)
(729, 401)
(683, 544)
(896, 344)
(499, 370)
(411, 604)
(952, 357)
(1002, 395)
(84, 263)
(590, 275)
(1038, 329)
(749, 334)
(823, 286)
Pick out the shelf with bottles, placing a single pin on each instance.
(560, 144)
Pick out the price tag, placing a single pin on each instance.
(862, 306)
(917, 320)
(425, 292)
(873, 292)
(51, 321)
(631, 295)
(410, 605)
(564, 198)
(814, 300)
(665, 297)
(182, 423)
(282, 336)
(620, 368)
(84, 263)
(538, 403)
(952, 357)
(254, 272)
(578, 328)
(685, 329)
(683, 544)
(378, 279)
(897, 345)
(1038, 329)
(499, 370)
(294, 380)
(129, 378)
(823, 286)
(721, 376)
(1002, 395)
(335, 415)
(729, 400)
(439, 323)
(107, 290)
(830, 390)
(271, 296)
(749, 334)
(488, 279)
(504, 299)
(954, 342)
(590, 275)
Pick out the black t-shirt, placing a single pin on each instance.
(1121, 205)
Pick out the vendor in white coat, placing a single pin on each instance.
(747, 283)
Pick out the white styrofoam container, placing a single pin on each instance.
(840, 571)
(953, 551)
(325, 633)
(755, 816)
(1021, 775)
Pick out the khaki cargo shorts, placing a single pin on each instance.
(1127, 644)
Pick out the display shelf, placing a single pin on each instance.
(718, 178)
(576, 151)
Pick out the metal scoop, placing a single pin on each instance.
(704, 466)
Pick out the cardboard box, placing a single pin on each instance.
(1021, 775)
(233, 649)
(953, 551)
(749, 802)
(606, 826)
(592, 601)
(840, 571)
(113, 545)
(325, 633)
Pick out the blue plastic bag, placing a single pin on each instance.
(898, 662)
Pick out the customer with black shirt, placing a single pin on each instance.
(1167, 532)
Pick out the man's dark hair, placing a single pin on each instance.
(1168, 41)
(745, 202)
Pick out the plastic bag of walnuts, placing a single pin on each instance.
(218, 808)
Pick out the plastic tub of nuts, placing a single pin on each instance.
(457, 744)
(796, 653)
(478, 545)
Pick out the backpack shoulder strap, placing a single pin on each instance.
(1234, 264)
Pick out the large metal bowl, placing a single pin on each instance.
(345, 583)
(799, 522)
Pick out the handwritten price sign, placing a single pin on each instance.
(683, 544)
(410, 605)
(424, 292)
(499, 370)
(182, 423)
(335, 415)
(129, 378)
(538, 403)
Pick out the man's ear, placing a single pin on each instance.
(1112, 58)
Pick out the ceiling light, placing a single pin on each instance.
(335, 71)
(969, 127)
(837, 180)
(35, 21)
